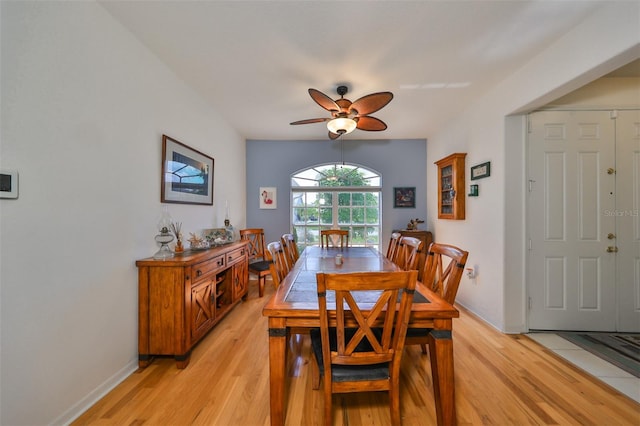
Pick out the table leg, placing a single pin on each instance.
(441, 354)
(277, 369)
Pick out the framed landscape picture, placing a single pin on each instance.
(187, 174)
(404, 197)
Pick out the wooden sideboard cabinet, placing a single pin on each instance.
(451, 181)
(181, 299)
(426, 237)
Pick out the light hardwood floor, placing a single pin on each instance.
(500, 380)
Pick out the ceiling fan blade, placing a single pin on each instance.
(371, 103)
(323, 100)
(311, 120)
(371, 124)
(333, 136)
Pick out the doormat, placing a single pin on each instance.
(620, 349)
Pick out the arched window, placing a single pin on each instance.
(336, 196)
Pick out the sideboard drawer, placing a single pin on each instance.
(200, 270)
(235, 255)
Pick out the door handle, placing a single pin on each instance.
(611, 171)
(611, 236)
(612, 249)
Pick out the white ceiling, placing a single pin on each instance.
(254, 60)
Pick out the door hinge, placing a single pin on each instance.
(613, 114)
(530, 303)
(530, 245)
(531, 182)
(529, 124)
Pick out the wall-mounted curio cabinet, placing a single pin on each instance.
(451, 196)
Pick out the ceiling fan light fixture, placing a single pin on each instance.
(341, 125)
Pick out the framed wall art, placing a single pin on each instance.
(481, 171)
(404, 197)
(187, 174)
(268, 198)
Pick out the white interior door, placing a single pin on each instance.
(570, 275)
(627, 215)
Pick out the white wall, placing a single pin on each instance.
(494, 231)
(608, 92)
(84, 107)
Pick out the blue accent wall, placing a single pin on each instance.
(400, 162)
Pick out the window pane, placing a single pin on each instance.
(357, 215)
(311, 199)
(357, 199)
(298, 216)
(344, 215)
(371, 215)
(358, 236)
(373, 236)
(312, 215)
(325, 198)
(326, 216)
(344, 199)
(372, 199)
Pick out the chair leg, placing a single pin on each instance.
(315, 372)
(394, 405)
(328, 409)
(261, 281)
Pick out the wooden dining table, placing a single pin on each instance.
(295, 305)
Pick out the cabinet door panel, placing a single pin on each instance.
(240, 279)
(203, 310)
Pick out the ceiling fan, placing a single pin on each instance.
(346, 116)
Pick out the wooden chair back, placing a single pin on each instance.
(279, 266)
(334, 238)
(256, 247)
(259, 259)
(290, 248)
(443, 270)
(393, 246)
(370, 333)
(408, 253)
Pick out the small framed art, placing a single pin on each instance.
(268, 198)
(481, 171)
(404, 197)
(187, 174)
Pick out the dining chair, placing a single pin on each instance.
(408, 253)
(363, 351)
(259, 260)
(291, 248)
(279, 267)
(331, 238)
(442, 272)
(393, 245)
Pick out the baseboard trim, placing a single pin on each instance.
(94, 396)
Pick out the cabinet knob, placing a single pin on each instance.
(198, 273)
